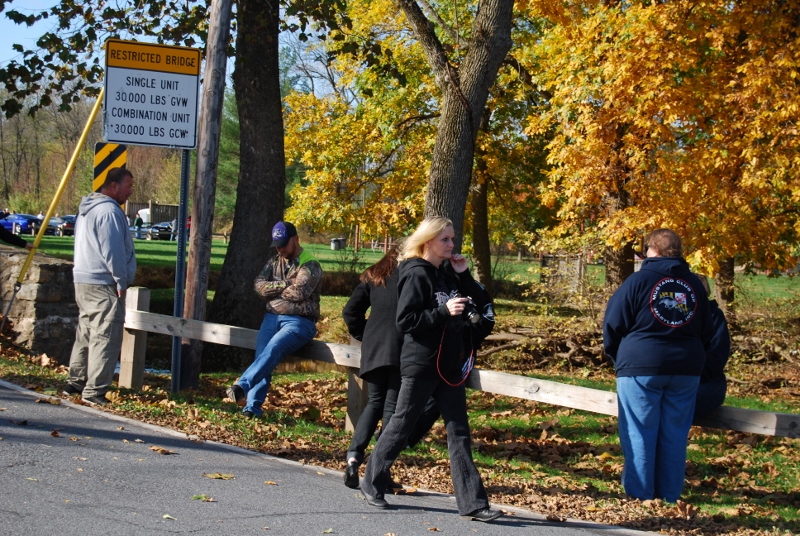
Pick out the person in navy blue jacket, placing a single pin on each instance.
(713, 385)
(656, 329)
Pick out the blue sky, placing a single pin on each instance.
(24, 35)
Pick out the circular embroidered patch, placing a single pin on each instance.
(673, 302)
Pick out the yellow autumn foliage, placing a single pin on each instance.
(676, 114)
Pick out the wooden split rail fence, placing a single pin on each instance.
(139, 322)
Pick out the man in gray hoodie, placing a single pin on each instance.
(105, 265)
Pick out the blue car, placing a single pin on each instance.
(21, 223)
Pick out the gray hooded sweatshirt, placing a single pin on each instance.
(104, 253)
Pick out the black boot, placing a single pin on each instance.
(351, 475)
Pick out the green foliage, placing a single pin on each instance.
(67, 66)
(228, 168)
(67, 63)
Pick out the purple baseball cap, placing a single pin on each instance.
(281, 234)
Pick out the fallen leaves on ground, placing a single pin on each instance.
(219, 476)
(561, 492)
(684, 510)
(162, 450)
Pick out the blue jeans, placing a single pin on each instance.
(655, 414)
(412, 400)
(279, 336)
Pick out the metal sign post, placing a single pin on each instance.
(180, 271)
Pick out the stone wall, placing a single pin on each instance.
(43, 316)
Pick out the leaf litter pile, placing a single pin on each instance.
(558, 462)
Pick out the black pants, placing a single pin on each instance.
(384, 386)
(452, 402)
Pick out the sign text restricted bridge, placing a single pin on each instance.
(151, 94)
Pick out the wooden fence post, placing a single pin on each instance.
(357, 395)
(134, 342)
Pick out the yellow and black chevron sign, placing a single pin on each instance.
(106, 157)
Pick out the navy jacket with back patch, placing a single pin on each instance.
(657, 322)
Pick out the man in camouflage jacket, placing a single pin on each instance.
(290, 282)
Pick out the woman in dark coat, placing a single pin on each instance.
(380, 357)
(713, 385)
(656, 330)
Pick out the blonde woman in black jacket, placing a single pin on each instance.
(436, 350)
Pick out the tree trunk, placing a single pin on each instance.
(464, 93)
(619, 265)
(724, 290)
(262, 177)
(482, 257)
(205, 185)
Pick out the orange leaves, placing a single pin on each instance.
(658, 102)
(162, 450)
(362, 169)
(684, 510)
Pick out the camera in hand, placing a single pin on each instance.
(471, 311)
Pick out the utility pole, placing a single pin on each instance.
(205, 185)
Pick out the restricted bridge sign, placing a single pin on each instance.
(151, 94)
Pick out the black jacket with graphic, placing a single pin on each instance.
(434, 340)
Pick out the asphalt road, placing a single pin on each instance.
(72, 470)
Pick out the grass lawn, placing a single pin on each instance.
(759, 291)
(162, 253)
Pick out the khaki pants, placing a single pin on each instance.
(98, 339)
